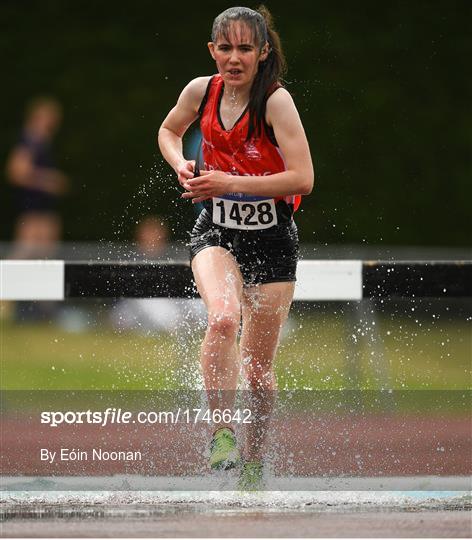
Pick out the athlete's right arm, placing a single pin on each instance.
(176, 124)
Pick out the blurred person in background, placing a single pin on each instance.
(151, 315)
(37, 186)
(37, 183)
(151, 237)
(193, 148)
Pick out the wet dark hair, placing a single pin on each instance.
(270, 71)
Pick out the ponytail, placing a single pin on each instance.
(270, 71)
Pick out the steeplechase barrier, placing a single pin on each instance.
(317, 280)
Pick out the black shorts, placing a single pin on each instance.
(264, 256)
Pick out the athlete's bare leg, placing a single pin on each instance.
(265, 309)
(220, 285)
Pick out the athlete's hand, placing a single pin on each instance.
(184, 171)
(208, 184)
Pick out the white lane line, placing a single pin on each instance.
(426, 484)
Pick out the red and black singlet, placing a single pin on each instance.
(228, 151)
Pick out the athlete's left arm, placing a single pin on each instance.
(297, 179)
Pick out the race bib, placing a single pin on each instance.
(243, 214)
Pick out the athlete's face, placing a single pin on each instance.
(237, 56)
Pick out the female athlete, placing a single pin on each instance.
(244, 245)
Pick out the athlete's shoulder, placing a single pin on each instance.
(196, 88)
(193, 93)
(279, 97)
(278, 103)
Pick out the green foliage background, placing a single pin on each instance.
(382, 89)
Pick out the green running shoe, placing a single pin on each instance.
(224, 453)
(251, 475)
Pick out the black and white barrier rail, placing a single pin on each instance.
(317, 280)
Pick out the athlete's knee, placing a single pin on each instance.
(224, 324)
(259, 376)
